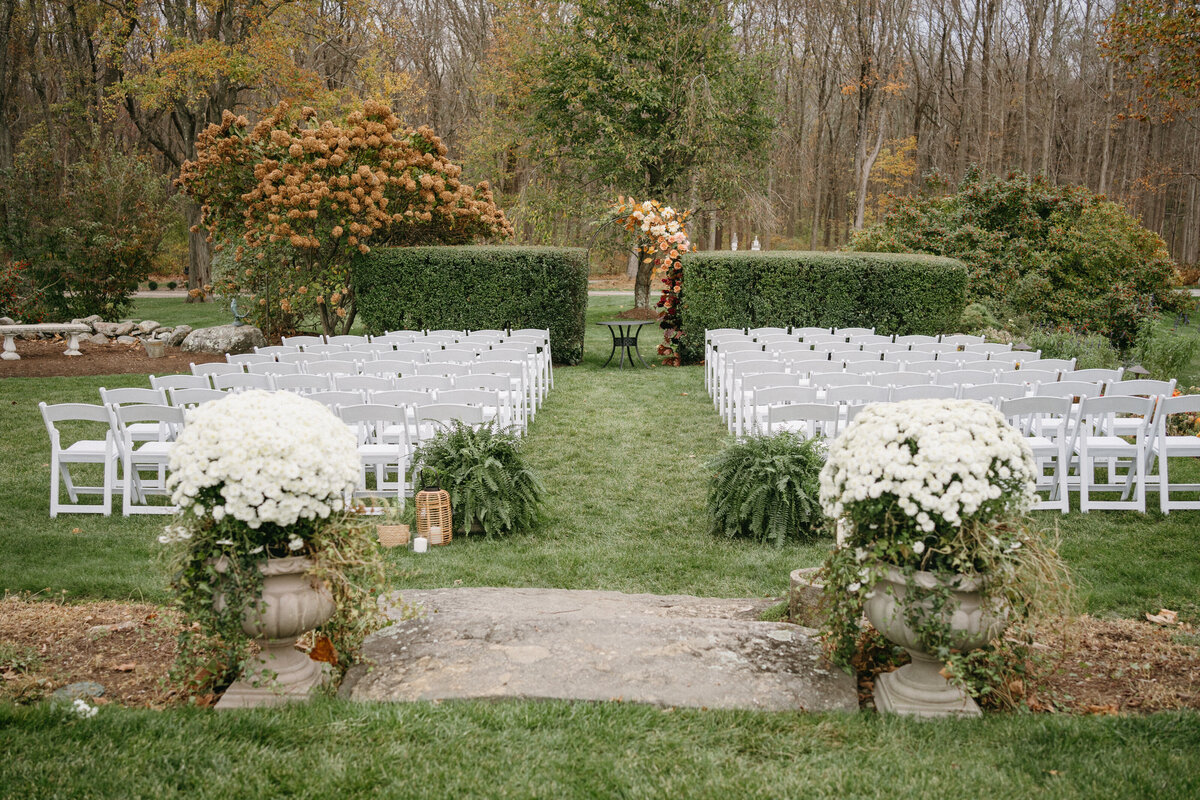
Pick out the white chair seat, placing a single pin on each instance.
(93, 449)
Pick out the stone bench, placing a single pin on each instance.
(10, 332)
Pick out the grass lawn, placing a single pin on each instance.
(622, 456)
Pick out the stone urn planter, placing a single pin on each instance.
(292, 604)
(918, 688)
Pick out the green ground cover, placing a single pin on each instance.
(622, 455)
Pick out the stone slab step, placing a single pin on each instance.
(667, 650)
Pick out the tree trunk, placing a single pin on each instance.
(641, 287)
(199, 256)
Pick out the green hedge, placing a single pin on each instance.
(892, 292)
(473, 288)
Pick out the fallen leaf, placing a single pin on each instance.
(1105, 710)
(76, 530)
(1165, 616)
(126, 667)
(323, 651)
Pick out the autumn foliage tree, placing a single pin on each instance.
(1157, 44)
(295, 199)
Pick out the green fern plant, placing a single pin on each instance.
(766, 488)
(484, 472)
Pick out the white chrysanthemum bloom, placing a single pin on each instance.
(942, 461)
(275, 456)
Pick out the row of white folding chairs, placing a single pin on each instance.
(725, 360)
(732, 390)
(128, 444)
(136, 439)
(852, 338)
(193, 389)
(415, 343)
(844, 333)
(529, 380)
(967, 385)
(1122, 435)
(408, 335)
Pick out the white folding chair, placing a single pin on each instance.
(102, 452)
(346, 339)
(891, 379)
(437, 416)
(331, 367)
(335, 399)
(930, 392)
(1105, 376)
(302, 342)
(327, 350)
(510, 415)
(517, 381)
(443, 368)
(962, 339)
(993, 393)
(180, 382)
(381, 432)
(926, 366)
(147, 456)
(1014, 359)
(812, 419)
(303, 384)
(363, 383)
(854, 331)
(1060, 364)
(424, 383)
(1092, 444)
(810, 331)
(754, 418)
(964, 377)
(987, 348)
(141, 432)
(273, 368)
(217, 368)
(964, 360)
(735, 371)
(916, 338)
(484, 399)
(242, 382)
(274, 350)
(1166, 446)
(190, 398)
(1045, 423)
(249, 358)
(388, 367)
(721, 348)
(934, 347)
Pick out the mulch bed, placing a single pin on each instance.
(1096, 666)
(45, 359)
(126, 648)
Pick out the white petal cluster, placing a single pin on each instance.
(941, 459)
(275, 456)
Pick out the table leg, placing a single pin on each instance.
(624, 347)
(614, 347)
(73, 346)
(10, 349)
(637, 332)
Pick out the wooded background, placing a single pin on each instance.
(792, 119)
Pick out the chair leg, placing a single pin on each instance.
(53, 486)
(110, 468)
(67, 483)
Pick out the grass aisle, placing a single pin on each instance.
(622, 455)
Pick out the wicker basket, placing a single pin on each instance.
(433, 511)
(393, 535)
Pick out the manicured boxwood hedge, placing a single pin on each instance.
(892, 292)
(476, 287)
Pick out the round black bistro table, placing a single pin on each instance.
(625, 338)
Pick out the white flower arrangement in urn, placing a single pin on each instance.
(264, 545)
(929, 499)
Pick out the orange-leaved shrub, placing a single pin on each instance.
(291, 200)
